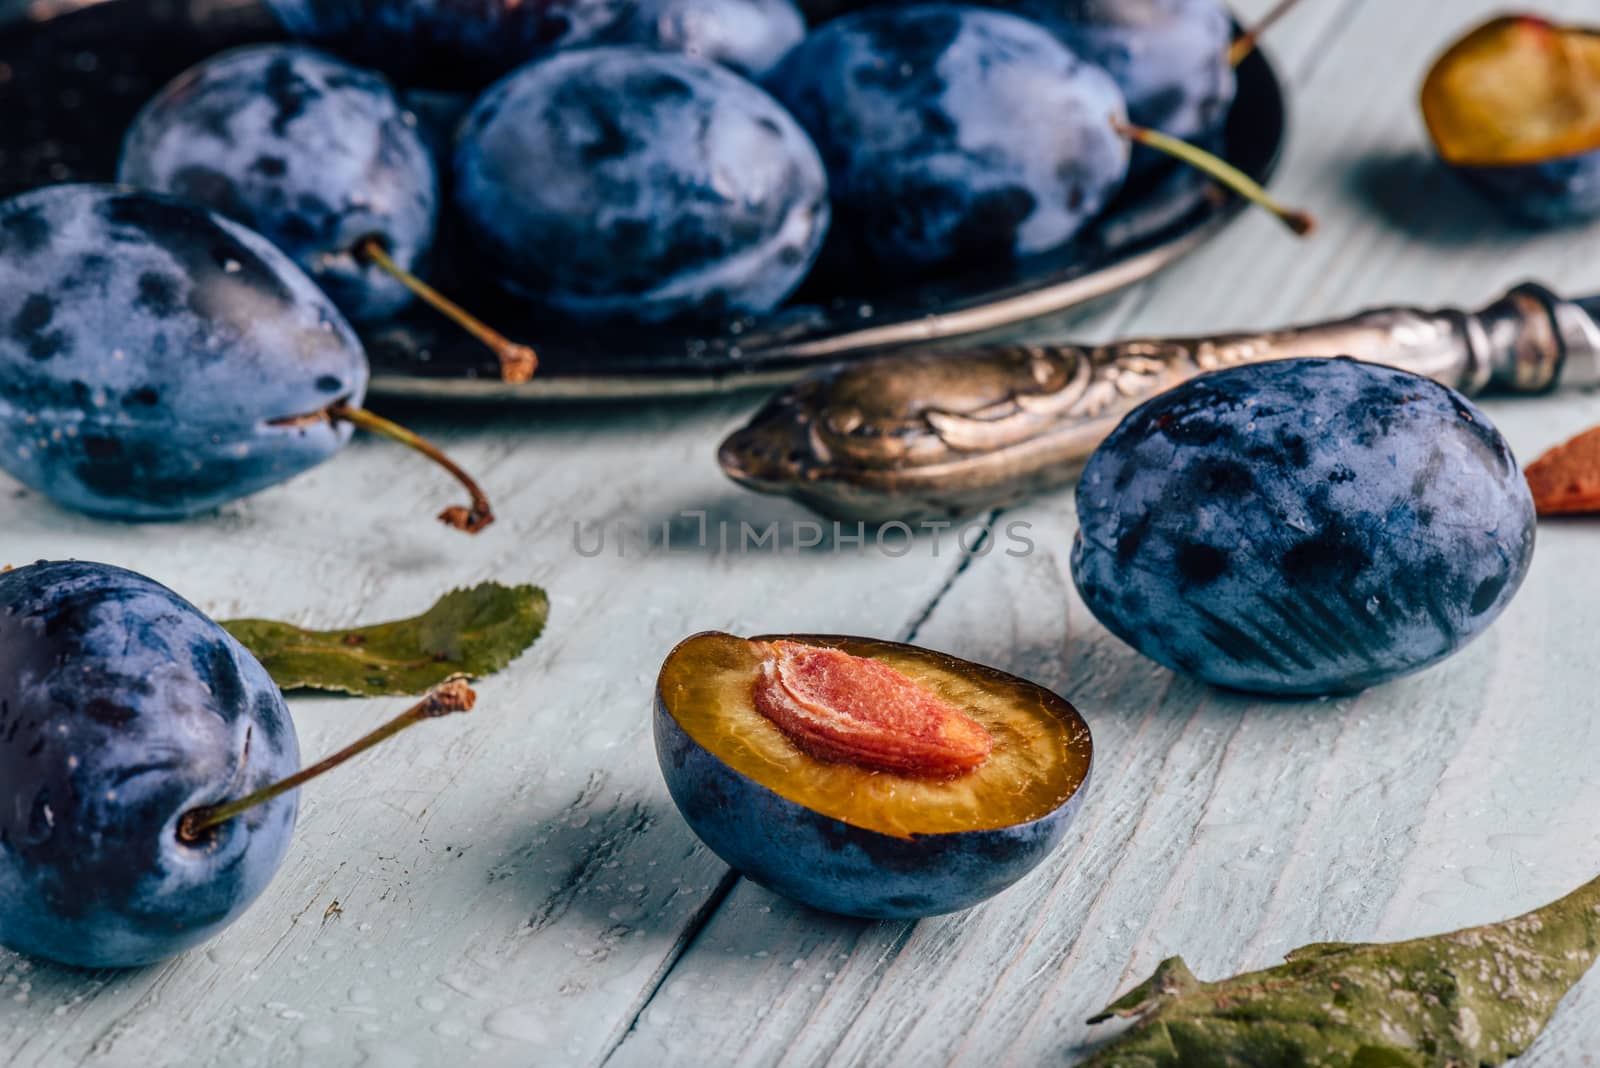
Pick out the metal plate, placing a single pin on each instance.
(73, 72)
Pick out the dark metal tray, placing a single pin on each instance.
(73, 72)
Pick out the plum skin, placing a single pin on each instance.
(1554, 192)
(466, 43)
(750, 36)
(955, 135)
(459, 43)
(834, 866)
(308, 151)
(1302, 527)
(124, 707)
(621, 184)
(1169, 57)
(147, 348)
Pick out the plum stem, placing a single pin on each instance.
(470, 519)
(517, 362)
(451, 696)
(1241, 183)
(1246, 42)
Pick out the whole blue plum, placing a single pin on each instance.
(312, 153)
(1169, 57)
(955, 135)
(620, 183)
(122, 707)
(1302, 527)
(158, 360)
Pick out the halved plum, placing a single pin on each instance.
(867, 777)
(1514, 108)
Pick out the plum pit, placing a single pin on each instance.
(856, 710)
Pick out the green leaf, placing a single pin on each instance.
(472, 632)
(1473, 997)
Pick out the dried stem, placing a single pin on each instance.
(444, 699)
(470, 519)
(1247, 41)
(517, 362)
(1241, 183)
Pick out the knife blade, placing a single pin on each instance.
(947, 433)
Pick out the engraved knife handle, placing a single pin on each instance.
(937, 434)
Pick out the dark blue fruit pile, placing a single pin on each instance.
(310, 152)
(606, 179)
(157, 360)
(620, 183)
(1303, 527)
(122, 707)
(160, 361)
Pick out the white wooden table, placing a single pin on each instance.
(515, 887)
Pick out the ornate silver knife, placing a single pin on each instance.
(944, 433)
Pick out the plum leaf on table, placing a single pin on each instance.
(472, 632)
(1476, 996)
